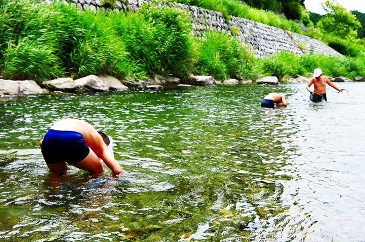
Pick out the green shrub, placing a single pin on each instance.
(28, 46)
(346, 46)
(30, 59)
(330, 65)
(57, 39)
(234, 30)
(309, 62)
(100, 51)
(357, 66)
(158, 40)
(282, 64)
(223, 57)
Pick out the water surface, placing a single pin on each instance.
(200, 164)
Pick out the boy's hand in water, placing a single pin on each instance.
(117, 172)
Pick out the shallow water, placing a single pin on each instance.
(200, 164)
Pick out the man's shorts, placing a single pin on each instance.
(316, 98)
(60, 145)
(267, 103)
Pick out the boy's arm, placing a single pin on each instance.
(101, 150)
(333, 85)
(109, 160)
(285, 103)
(309, 84)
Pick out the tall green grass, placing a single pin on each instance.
(27, 48)
(158, 40)
(100, 50)
(282, 65)
(285, 64)
(47, 41)
(224, 57)
(41, 42)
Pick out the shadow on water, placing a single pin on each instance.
(200, 164)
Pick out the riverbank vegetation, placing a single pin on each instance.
(42, 42)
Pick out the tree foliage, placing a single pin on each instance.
(361, 17)
(338, 21)
(292, 9)
(315, 17)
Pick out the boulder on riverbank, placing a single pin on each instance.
(231, 82)
(298, 80)
(113, 83)
(61, 84)
(89, 83)
(19, 88)
(340, 79)
(201, 81)
(270, 80)
(358, 79)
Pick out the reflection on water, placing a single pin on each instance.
(200, 164)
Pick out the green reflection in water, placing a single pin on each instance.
(200, 163)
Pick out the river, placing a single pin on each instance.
(200, 164)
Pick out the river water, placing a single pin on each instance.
(201, 164)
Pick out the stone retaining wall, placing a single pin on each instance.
(263, 39)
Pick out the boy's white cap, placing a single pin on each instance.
(317, 72)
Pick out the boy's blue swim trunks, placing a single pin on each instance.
(267, 103)
(60, 145)
(316, 98)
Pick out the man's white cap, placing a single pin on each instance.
(317, 72)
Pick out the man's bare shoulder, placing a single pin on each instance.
(326, 79)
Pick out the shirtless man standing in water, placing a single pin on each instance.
(319, 81)
(79, 144)
(271, 99)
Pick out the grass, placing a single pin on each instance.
(285, 64)
(240, 9)
(42, 42)
(223, 57)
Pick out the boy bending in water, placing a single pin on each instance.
(271, 99)
(79, 144)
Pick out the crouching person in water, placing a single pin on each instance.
(319, 81)
(272, 99)
(79, 144)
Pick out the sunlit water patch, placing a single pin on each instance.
(200, 164)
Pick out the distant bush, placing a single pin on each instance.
(30, 59)
(42, 41)
(346, 46)
(357, 66)
(282, 64)
(287, 64)
(158, 40)
(27, 47)
(224, 57)
(100, 50)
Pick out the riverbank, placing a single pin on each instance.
(104, 83)
(43, 42)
